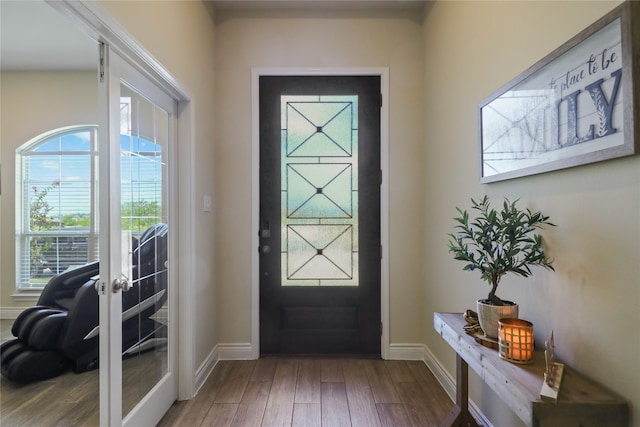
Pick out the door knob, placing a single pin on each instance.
(121, 284)
(265, 234)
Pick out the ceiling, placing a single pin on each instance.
(319, 4)
(34, 36)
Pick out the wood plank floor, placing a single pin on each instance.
(269, 392)
(310, 392)
(70, 400)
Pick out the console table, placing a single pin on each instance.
(581, 402)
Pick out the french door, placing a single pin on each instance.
(138, 379)
(320, 177)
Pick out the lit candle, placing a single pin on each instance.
(516, 340)
(528, 345)
(522, 344)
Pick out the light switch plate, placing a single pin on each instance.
(207, 204)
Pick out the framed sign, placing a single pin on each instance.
(577, 105)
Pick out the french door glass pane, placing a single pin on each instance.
(144, 134)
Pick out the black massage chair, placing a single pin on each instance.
(61, 332)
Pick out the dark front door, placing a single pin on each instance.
(320, 214)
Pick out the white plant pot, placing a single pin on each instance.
(488, 316)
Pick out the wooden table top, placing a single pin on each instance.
(519, 385)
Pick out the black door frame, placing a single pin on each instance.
(254, 348)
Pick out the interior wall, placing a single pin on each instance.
(33, 103)
(329, 38)
(591, 301)
(179, 34)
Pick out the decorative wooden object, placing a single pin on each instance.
(580, 402)
(473, 328)
(552, 373)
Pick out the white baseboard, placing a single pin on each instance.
(406, 352)
(221, 352)
(205, 369)
(240, 351)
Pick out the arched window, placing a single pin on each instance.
(57, 198)
(56, 204)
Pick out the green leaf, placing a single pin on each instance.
(499, 242)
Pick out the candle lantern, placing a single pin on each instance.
(515, 340)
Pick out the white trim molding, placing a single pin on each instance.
(238, 351)
(383, 72)
(92, 18)
(203, 372)
(407, 352)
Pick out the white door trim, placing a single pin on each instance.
(94, 20)
(383, 72)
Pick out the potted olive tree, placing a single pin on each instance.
(496, 243)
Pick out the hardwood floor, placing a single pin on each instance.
(70, 399)
(269, 392)
(309, 392)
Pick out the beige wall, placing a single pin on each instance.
(441, 66)
(315, 39)
(33, 103)
(179, 34)
(592, 300)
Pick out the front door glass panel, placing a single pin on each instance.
(319, 184)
